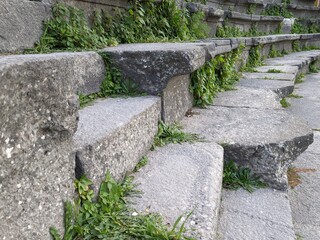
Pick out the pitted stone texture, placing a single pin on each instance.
(250, 98)
(176, 99)
(286, 61)
(265, 140)
(21, 24)
(38, 119)
(270, 76)
(86, 70)
(308, 107)
(113, 135)
(182, 178)
(158, 62)
(281, 88)
(264, 214)
(283, 69)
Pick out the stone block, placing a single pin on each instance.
(176, 99)
(113, 134)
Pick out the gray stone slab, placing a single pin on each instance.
(265, 140)
(21, 24)
(308, 107)
(250, 98)
(282, 61)
(86, 70)
(270, 76)
(264, 214)
(304, 198)
(281, 88)
(158, 62)
(283, 69)
(176, 99)
(38, 118)
(182, 178)
(113, 135)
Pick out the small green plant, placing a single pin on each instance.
(284, 103)
(235, 177)
(274, 53)
(296, 46)
(274, 71)
(277, 10)
(251, 9)
(219, 74)
(313, 68)
(292, 95)
(226, 30)
(173, 134)
(254, 60)
(109, 217)
(143, 162)
(299, 78)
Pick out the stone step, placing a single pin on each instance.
(263, 214)
(283, 69)
(270, 76)
(248, 97)
(265, 140)
(113, 134)
(183, 178)
(281, 88)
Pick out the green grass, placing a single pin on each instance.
(299, 78)
(274, 71)
(313, 68)
(292, 95)
(284, 103)
(143, 162)
(235, 177)
(109, 217)
(173, 134)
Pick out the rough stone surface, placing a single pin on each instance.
(264, 214)
(246, 97)
(38, 119)
(284, 69)
(87, 70)
(21, 24)
(158, 62)
(308, 107)
(270, 76)
(265, 140)
(281, 88)
(114, 134)
(285, 61)
(176, 99)
(182, 178)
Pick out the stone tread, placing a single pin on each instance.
(270, 76)
(264, 214)
(113, 134)
(179, 179)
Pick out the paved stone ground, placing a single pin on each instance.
(304, 198)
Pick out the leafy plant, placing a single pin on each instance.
(274, 71)
(292, 95)
(274, 53)
(173, 134)
(296, 46)
(226, 30)
(278, 10)
(143, 162)
(235, 177)
(313, 68)
(254, 60)
(109, 217)
(251, 9)
(219, 74)
(299, 78)
(284, 103)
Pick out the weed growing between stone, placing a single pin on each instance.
(173, 134)
(109, 217)
(254, 60)
(274, 71)
(296, 46)
(313, 68)
(284, 103)
(274, 53)
(219, 74)
(226, 30)
(299, 78)
(292, 95)
(143, 162)
(278, 9)
(235, 177)
(114, 85)
(148, 21)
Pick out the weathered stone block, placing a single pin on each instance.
(21, 24)
(113, 135)
(38, 119)
(176, 99)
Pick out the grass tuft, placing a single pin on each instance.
(284, 103)
(292, 95)
(173, 134)
(274, 71)
(143, 162)
(299, 78)
(235, 177)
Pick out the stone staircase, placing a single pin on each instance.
(46, 140)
